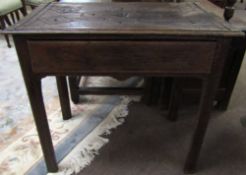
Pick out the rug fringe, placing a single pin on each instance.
(84, 153)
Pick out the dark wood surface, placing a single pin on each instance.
(62, 87)
(137, 31)
(151, 56)
(192, 87)
(122, 18)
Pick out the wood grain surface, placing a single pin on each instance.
(122, 56)
(120, 18)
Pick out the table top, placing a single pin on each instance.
(239, 19)
(138, 18)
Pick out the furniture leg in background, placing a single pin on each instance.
(74, 88)
(175, 99)
(64, 97)
(11, 9)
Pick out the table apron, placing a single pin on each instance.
(102, 57)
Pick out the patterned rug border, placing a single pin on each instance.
(82, 131)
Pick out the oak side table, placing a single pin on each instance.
(122, 39)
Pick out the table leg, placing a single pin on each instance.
(165, 94)
(237, 56)
(175, 100)
(64, 97)
(74, 89)
(208, 92)
(156, 90)
(148, 86)
(36, 99)
(34, 90)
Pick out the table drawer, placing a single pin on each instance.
(121, 56)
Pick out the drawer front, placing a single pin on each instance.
(104, 57)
